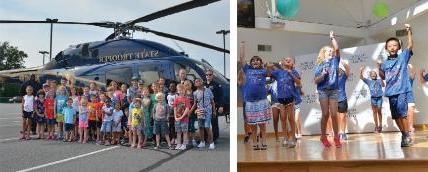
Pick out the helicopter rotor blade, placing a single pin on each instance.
(172, 10)
(101, 24)
(179, 38)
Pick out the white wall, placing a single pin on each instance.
(286, 43)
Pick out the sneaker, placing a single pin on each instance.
(291, 143)
(107, 144)
(285, 142)
(380, 129)
(298, 136)
(201, 144)
(246, 139)
(376, 130)
(183, 147)
(194, 143)
(211, 146)
(325, 141)
(405, 142)
(178, 147)
(344, 136)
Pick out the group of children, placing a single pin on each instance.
(331, 74)
(120, 115)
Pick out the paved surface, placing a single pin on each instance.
(43, 155)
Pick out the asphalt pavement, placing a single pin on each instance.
(44, 155)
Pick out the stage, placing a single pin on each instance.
(361, 152)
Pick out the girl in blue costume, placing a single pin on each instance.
(326, 78)
(287, 79)
(257, 109)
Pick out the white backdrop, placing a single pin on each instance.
(359, 116)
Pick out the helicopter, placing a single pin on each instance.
(120, 57)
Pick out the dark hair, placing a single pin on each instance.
(393, 39)
(256, 58)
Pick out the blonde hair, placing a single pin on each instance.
(159, 94)
(321, 54)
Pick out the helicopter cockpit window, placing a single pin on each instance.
(148, 74)
(191, 73)
(121, 75)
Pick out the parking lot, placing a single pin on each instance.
(43, 155)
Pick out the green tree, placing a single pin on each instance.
(11, 57)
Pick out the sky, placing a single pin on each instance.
(199, 24)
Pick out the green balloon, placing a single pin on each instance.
(381, 9)
(287, 8)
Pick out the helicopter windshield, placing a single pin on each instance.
(216, 73)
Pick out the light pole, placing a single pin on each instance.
(224, 32)
(50, 45)
(44, 52)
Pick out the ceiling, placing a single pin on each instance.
(346, 13)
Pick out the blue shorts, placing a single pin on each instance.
(106, 126)
(27, 114)
(51, 121)
(181, 127)
(68, 127)
(160, 127)
(327, 94)
(398, 106)
(40, 119)
(410, 97)
(376, 101)
(205, 122)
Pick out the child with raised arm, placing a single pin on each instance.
(287, 79)
(257, 109)
(326, 79)
(375, 86)
(394, 72)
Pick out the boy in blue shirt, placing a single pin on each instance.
(69, 115)
(375, 87)
(394, 72)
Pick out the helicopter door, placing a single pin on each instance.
(152, 71)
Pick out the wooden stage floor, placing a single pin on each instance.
(360, 151)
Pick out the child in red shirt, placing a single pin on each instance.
(49, 114)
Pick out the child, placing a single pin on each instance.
(50, 114)
(257, 110)
(411, 99)
(287, 79)
(276, 109)
(27, 108)
(106, 126)
(75, 105)
(92, 118)
(117, 127)
(204, 100)
(99, 115)
(171, 97)
(136, 123)
(93, 89)
(394, 72)
(133, 89)
(342, 99)
(160, 116)
(69, 117)
(129, 123)
(297, 103)
(188, 87)
(86, 93)
(60, 103)
(83, 121)
(147, 109)
(326, 78)
(40, 114)
(375, 86)
(181, 111)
